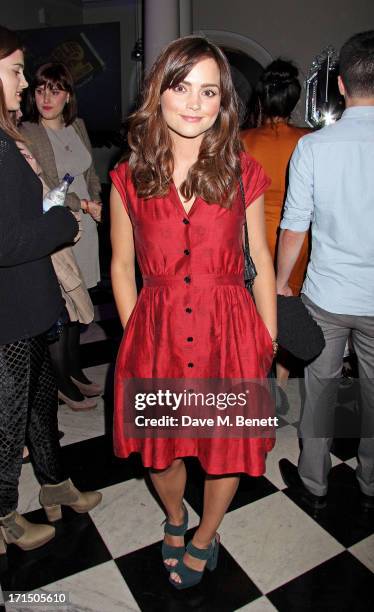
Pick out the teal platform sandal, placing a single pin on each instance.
(174, 552)
(190, 577)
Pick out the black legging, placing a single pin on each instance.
(28, 416)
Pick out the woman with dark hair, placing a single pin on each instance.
(59, 142)
(30, 304)
(272, 143)
(177, 202)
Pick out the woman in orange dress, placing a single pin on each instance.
(272, 144)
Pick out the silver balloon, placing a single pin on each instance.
(324, 104)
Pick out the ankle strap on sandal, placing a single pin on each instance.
(199, 553)
(177, 530)
(174, 530)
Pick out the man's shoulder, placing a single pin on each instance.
(322, 134)
(329, 134)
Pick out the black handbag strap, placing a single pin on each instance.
(246, 240)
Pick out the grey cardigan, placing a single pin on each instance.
(38, 142)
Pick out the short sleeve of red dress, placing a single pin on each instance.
(255, 181)
(119, 179)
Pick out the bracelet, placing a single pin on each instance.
(275, 347)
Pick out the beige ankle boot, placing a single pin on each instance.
(52, 497)
(15, 529)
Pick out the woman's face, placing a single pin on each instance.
(191, 107)
(50, 101)
(13, 79)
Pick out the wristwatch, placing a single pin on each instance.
(275, 347)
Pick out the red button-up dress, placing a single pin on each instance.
(193, 317)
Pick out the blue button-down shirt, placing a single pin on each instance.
(331, 186)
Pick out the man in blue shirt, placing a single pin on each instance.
(331, 188)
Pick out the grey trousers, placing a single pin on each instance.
(321, 388)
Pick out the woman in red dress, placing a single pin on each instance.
(177, 204)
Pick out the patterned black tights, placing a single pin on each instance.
(28, 416)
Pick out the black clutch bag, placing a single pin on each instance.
(298, 333)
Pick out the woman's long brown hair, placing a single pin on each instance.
(9, 43)
(214, 176)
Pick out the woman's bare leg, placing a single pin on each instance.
(170, 485)
(218, 494)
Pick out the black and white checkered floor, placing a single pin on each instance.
(275, 554)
